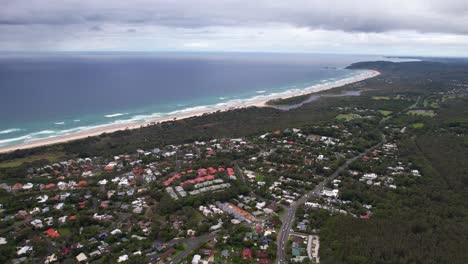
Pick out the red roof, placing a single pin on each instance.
(66, 250)
(82, 204)
(82, 183)
(138, 171)
(17, 186)
(202, 172)
(72, 217)
(50, 186)
(108, 168)
(52, 233)
(230, 171)
(258, 228)
(212, 170)
(247, 253)
(199, 179)
(171, 179)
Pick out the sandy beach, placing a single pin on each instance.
(258, 101)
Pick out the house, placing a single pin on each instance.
(95, 253)
(52, 233)
(225, 253)
(123, 258)
(50, 259)
(37, 223)
(330, 193)
(231, 173)
(81, 257)
(196, 259)
(247, 253)
(28, 186)
(24, 250)
(17, 187)
(50, 186)
(82, 183)
(116, 232)
(158, 246)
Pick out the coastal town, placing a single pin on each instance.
(217, 201)
(262, 198)
(233, 132)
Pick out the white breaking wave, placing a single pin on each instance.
(28, 137)
(9, 140)
(43, 132)
(76, 120)
(138, 118)
(59, 123)
(260, 92)
(11, 130)
(116, 115)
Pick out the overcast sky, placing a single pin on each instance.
(387, 27)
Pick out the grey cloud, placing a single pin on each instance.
(95, 28)
(445, 16)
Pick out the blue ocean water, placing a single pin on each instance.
(55, 94)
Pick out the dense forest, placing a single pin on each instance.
(426, 222)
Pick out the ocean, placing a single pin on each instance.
(55, 94)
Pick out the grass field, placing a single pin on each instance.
(385, 112)
(347, 116)
(52, 157)
(380, 97)
(260, 177)
(428, 113)
(417, 125)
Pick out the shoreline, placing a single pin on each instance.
(258, 101)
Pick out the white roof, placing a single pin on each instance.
(196, 259)
(123, 258)
(81, 257)
(24, 250)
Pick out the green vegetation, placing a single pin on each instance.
(417, 125)
(381, 97)
(288, 101)
(346, 117)
(427, 113)
(385, 112)
(50, 157)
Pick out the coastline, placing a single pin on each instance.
(258, 101)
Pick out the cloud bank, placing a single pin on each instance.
(421, 26)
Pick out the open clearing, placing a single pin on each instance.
(52, 157)
(428, 113)
(385, 112)
(347, 116)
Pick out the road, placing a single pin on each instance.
(288, 219)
